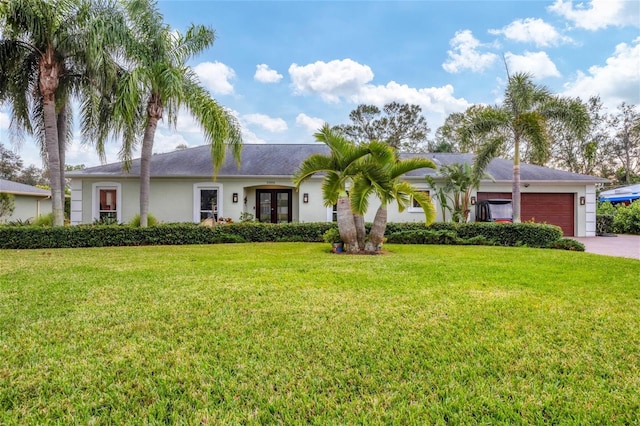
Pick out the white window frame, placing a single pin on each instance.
(330, 211)
(95, 195)
(196, 198)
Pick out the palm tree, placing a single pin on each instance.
(50, 50)
(156, 81)
(383, 179)
(340, 166)
(459, 180)
(372, 168)
(523, 119)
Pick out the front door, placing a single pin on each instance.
(274, 205)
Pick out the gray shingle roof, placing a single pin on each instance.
(284, 159)
(16, 188)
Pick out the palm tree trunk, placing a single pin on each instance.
(358, 220)
(515, 188)
(62, 147)
(145, 169)
(48, 84)
(377, 230)
(154, 113)
(53, 159)
(346, 225)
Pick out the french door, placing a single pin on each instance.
(273, 205)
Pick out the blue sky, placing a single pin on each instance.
(285, 67)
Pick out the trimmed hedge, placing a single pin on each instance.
(504, 234)
(29, 237)
(567, 244)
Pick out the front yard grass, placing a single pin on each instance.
(288, 333)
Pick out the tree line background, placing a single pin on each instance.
(610, 150)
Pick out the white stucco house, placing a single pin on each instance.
(30, 202)
(183, 189)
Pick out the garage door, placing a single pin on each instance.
(556, 209)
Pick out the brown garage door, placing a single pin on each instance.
(556, 209)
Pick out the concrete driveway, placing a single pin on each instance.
(618, 245)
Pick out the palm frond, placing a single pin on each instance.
(316, 163)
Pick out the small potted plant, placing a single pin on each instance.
(332, 236)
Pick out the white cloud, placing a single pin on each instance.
(532, 30)
(536, 63)
(615, 82)
(310, 123)
(349, 81)
(186, 123)
(431, 99)
(249, 137)
(266, 122)
(4, 121)
(216, 77)
(167, 142)
(599, 14)
(265, 75)
(465, 54)
(331, 80)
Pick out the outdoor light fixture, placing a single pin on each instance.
(583, 201)
(235, 197)
(305, 198)
(473, 201)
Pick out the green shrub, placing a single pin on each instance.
(478, 240)
(604, 224)
(7, 204)
(44, 220)
(606, 208)
(424, 236)
(151, 220)
(567, 244)
(505, 234)
(20, 222)
(332, 235)
(627, 219)
(246, 217)
(30, 237)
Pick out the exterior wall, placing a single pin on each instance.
(314, 210)
(584, 214)
(29, 208)
(172, 200)
(76, 202)
(589, 209)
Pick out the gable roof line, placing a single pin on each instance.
(17, 188)
(281, 160)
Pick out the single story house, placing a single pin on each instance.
(624, 195)
(30, 202)
(183, 189)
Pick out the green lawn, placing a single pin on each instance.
(289, 333)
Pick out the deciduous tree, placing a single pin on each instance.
(400, 125)
(625, 141)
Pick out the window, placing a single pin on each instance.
(107, 204)
(415, 206)
(208, 204)
(207, 201)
